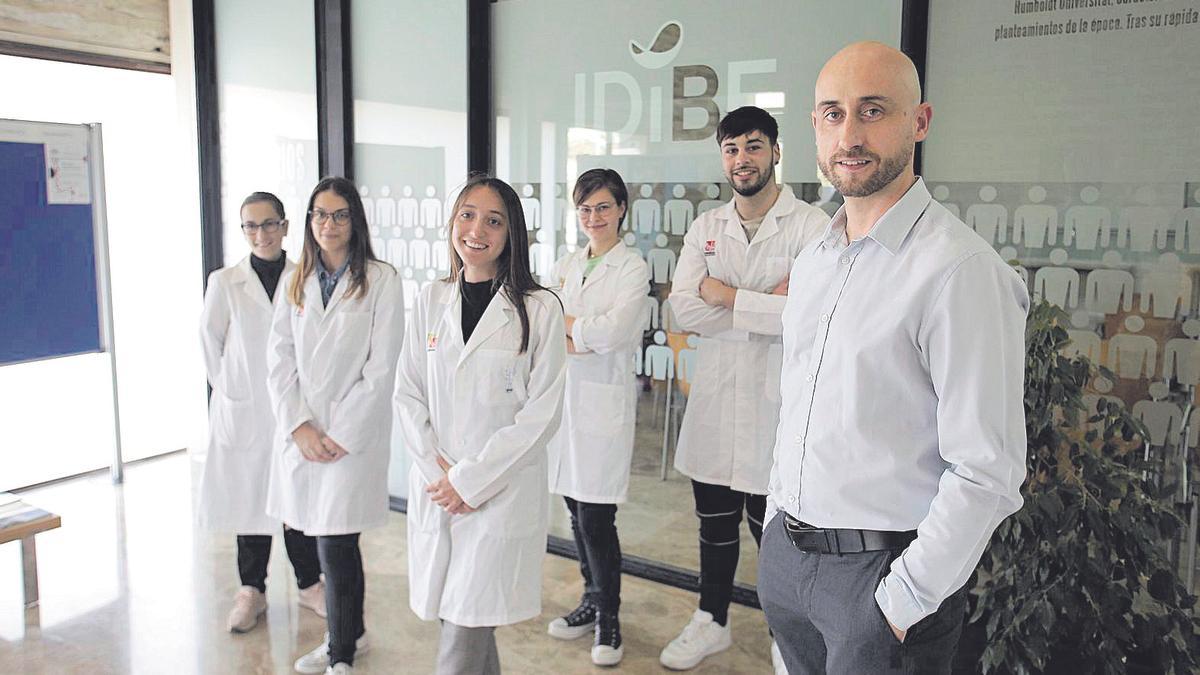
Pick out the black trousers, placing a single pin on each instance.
(720, 511)
(254, 552)
(595, 530)
(341, 561)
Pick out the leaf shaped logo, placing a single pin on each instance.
(664, 48)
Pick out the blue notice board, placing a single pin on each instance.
(49, 294)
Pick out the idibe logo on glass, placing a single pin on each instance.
(688, 97)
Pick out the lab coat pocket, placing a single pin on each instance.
(233, 421)
(499, 380)
(601, 409)
(235, 378)
(518, 510)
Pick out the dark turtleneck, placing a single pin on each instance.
(268, 271)
(475, 297)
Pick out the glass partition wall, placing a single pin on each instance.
(267, 90)
(410, 141)
(639, 88)
(1090, 185)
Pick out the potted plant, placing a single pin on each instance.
(1078, 581)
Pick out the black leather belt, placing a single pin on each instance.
(818, 540)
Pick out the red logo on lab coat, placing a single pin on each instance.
(430, 342)
(710, 247)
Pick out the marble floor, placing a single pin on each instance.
(129, 586)
(659, 521)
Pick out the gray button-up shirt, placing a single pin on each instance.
(902, 394)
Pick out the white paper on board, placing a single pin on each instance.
(67, 180)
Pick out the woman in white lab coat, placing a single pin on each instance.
(331, 359)
(479, 395)
(604, 287)
(238, 305)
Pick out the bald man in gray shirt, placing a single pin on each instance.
(901, 443)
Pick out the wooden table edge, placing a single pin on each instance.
(49, 522)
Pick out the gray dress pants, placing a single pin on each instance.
(821, 608)
(467, 651)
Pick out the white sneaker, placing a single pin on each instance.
(313, 598)
(317, 661)
(777, 660)
(700, 638)
(340, 669)
(248, 604)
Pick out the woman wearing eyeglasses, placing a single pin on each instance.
(604, 286)
(238, 304)
(331, 359)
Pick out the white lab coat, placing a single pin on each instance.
(335, 366)
(590, 454)
(490, 412)
(728, 430)
(234, 327)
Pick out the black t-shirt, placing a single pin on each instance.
(268, 272)
(475, 297)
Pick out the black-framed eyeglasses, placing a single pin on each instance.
(600, 210)
(341, 217)
(269, 226)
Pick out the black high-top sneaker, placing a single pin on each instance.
(607, 649)
(576, 624)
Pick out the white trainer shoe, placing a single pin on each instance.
(248, 604)
(313, 598)
(340, 669)
(777, 660)
(317, 661)
(702, 637)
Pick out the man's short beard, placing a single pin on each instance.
(753, 188)
(887, 172)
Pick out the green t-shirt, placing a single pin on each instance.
(591, 265)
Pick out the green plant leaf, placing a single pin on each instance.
(1162, 586)
(1078, 580)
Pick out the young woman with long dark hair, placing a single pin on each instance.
(479, 394)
